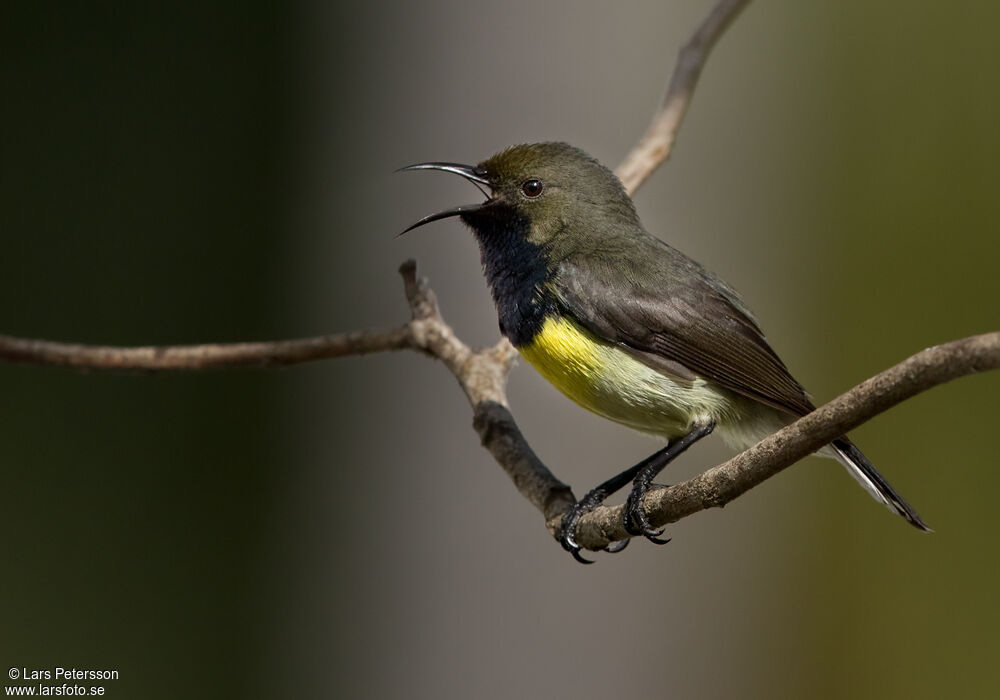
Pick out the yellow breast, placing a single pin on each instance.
(567, 356)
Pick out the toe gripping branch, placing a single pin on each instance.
(641, 475)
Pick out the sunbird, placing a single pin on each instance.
(624, 324)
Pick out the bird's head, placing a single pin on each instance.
(549, 189)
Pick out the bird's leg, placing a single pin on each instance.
(636, 522)
(595, 497)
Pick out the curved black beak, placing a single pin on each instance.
(476, 176)
(469, 172)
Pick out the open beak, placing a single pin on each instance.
(476, 176)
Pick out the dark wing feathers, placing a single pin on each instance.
(663, 304)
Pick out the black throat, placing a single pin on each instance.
(516, 272)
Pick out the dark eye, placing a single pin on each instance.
(531, 188)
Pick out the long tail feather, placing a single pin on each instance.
(873, 482)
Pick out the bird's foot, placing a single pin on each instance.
(570, 521)
(636, 523)
(567, 535)
(567, 531)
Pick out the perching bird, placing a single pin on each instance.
(625, 325)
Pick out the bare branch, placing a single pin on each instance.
(201, 357)
(655, 145)
(427, 332)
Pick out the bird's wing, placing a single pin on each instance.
(665, 306)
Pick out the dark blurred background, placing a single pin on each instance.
(210, 173)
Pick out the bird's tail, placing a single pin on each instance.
(873, 482)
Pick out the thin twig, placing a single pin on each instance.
(654, 147)
(201, 357)
(426, 332)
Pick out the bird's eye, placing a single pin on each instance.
(531, 188)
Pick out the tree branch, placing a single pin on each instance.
(483, 373)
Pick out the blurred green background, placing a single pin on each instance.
(203, 173)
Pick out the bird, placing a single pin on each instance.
(624, 324)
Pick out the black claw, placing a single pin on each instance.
(618, 546)
(568, 543)
(654, 535)
(579, 557)
(636, 524)
(567, 537)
